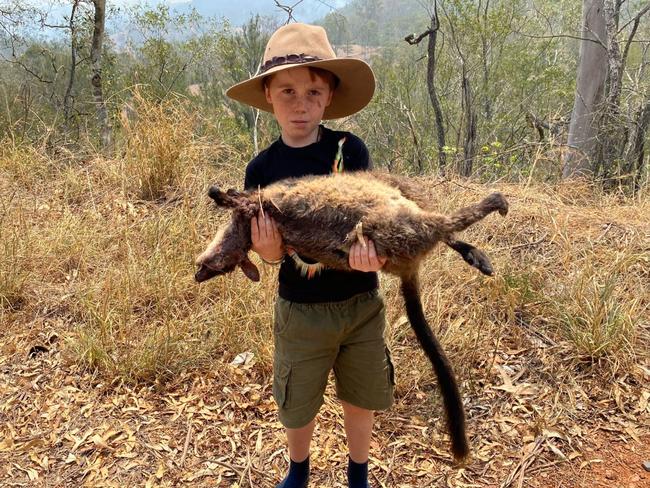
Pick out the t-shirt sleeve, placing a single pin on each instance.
(357, 157)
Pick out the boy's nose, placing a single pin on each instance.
(300, 104)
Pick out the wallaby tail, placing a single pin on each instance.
(466, 216)
(446, 379)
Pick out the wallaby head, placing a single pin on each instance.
(229, 249)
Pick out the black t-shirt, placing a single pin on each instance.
(280, 161)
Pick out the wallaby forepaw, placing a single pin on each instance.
(355, 235)
(359, 231)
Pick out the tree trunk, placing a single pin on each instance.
(67, 98)
(590, 91)
(431, 86)
(635, 150)
(96, 80)
(469, 145)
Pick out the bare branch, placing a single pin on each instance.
(636, 18)
(412, 40)
(568, 36)
(288, 9)
(27, 69)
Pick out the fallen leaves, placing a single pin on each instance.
(62, 426)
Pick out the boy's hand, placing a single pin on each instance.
(365, 258)
(267, 241)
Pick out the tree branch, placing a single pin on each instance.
(412, 40)
(636, 18)
(568, 36)
(288, 9)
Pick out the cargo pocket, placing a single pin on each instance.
(281, 383)
(390, 368)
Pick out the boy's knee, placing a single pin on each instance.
(350, 409)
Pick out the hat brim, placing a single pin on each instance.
(354, 91)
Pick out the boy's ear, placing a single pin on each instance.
(267, 92)
(249, 269)
(329, 100)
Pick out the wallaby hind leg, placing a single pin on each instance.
(466, 216)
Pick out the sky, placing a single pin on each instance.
(237, 11)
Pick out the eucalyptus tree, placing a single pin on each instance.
(611, 112)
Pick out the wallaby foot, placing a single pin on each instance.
(472, 256)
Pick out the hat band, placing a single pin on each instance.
(288, 59)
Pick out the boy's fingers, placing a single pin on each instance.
(255, 233)
(365, 253)
(362, 256)
(377, 260)
(276, 231)
(372, 252)
(262, 220)
(268, 227)
(355, 254)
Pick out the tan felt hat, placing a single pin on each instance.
(307, 45)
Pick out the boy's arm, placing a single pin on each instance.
(265, 237)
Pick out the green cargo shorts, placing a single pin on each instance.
(313, 338)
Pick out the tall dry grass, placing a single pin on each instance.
(104, 249)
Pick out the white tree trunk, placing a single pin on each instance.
(590, 91)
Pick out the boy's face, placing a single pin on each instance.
(299, 98)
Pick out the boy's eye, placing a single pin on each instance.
(314, 93)
(288, 91)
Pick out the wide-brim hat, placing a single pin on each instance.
(307, 45)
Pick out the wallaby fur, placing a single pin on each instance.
(322, 216)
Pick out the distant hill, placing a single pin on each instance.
(375, 22)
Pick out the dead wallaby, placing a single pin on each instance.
(321, 217)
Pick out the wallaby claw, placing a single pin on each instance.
(358, 229)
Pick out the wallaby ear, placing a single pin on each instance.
(220, 197)
(234, 199)
(229, 198)
(249, 269)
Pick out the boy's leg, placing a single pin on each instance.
(306, 345)
(299, 440)
(364, 380)
(358, 430)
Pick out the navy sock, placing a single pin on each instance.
(357, 474)
(298, 475)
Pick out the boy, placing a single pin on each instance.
(324, 318)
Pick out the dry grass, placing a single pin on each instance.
(96, 256)
(108, 245)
